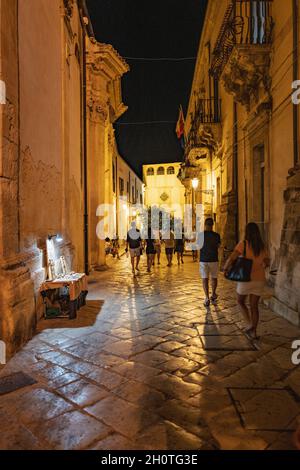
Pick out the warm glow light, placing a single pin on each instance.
(195, 183)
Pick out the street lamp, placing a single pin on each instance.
(195, 183)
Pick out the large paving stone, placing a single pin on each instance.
(82, 393)
(114, 442)
(122, 416)
(70, 431)
(136, 370)
(264, 411)
(140, 394)
(106, 378)
(152, 358)
(36, 406)
(166, 435)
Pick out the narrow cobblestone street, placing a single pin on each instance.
(145, 366)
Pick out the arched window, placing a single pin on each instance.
(161, 170)
(171, 170)
(150, 172)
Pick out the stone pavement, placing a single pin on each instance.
(149, 367)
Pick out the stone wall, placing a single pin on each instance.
(17, 312)
(287, 293)
(40, 154)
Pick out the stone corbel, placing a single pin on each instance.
(208, 140)
(246, 75)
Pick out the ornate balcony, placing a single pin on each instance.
(241, 57)
(187, 172)
(204, 135)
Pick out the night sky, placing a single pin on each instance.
(153, 90)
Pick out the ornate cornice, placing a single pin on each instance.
(187, 172)
(103, 58)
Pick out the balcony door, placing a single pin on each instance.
(258, 15)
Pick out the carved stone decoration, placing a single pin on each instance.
(246, 75)
(69, 7)
(207, 140)
(164, 197)
(97, 110)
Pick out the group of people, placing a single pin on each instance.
(112, 247)
(252, 247)
(153, 247)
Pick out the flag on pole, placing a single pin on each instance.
(180, 124)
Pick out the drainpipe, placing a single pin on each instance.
(236, 170)
(86, 27)
(19, 129)
(295, 77)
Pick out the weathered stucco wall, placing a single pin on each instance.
(41, 155)
(17, 319)
(9, 129)
(41, 191)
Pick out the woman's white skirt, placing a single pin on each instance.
(252, 287)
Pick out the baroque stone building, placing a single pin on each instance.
(105, 68)
(162, 188)
(127, 196)
(56, 142)
(242, 132)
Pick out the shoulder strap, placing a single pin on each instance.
(245, 246)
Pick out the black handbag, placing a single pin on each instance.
(241, 269)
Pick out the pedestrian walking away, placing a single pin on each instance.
(150, 250)
(179, 248)
(169, 245)
(157, 246)
(209, 261)
(253, 248)
(115, 247)
(194, 249)
(134, 243)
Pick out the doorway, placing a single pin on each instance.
(259, 189)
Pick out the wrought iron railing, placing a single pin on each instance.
(246, 22)
(207, 111)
